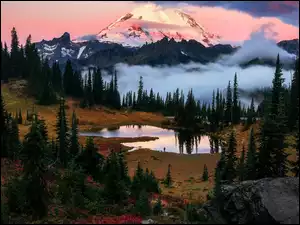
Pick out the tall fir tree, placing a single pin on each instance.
(251, 158)
(228, 108)
(272, 158)
(62, 134)
(293, 113)
(235, 102)
(230, 171)
(74, 143)
(168, 179)
(34, 171)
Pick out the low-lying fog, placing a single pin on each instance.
(203, 79)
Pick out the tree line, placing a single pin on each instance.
(266, 155)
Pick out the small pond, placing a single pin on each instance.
(184, 142)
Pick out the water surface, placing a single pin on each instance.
(184, 142)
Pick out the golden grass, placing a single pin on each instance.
(186, 171)
(89, 119)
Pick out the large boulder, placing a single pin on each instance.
(260, 201)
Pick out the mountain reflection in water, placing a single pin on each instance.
(184, 142)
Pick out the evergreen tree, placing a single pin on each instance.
(142, 205)
(62, 134)
(47, 95)
(42, 129)
(137, 182)
(251, 159)
(115, 189)
(230, 172)
(56, 77)
(205, 173)
(124, 169)
(241, 165)
(15, 54)
(228, 109)
(74, 145)
(34, 171)
(168, 179)
(90, 159)
(235, 102)
(13, 141)
(98, 87)
(68, 78)
(293, 114)
(140, 93)
(279, 155)
(217, 187)
(89, 90)
(272, 160)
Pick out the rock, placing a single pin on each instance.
(261, 201)
(148, 221)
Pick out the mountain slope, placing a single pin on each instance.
(163, 52)
(150, 23)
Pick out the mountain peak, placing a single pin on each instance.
(65, 37)
(150, 23)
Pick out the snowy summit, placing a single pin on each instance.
(151, 23)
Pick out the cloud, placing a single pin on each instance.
(89, 37)
(259, 45)
(288, 11)
(203, 79)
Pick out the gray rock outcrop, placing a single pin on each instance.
(260, 201)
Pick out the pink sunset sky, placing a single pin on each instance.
(46, 20)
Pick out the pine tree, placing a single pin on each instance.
(62, 134)
(115, 189)
(124, 169)
(168, 179)
(251, 159)
(137, 182)
(68, 78)
(74, 145)
(230, 172)
(140, 93)
(279, 155)
(89, 90)
(34, 171)
(42, 129)
(217, 187)
(56, 77)
(241, 165)
(13, 141)
(142, 205)
(205, 173)
(272, 158)
(293, 113)
(228, 109)
(235, 106)
(15, 54)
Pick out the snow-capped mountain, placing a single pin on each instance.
(150, 23)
